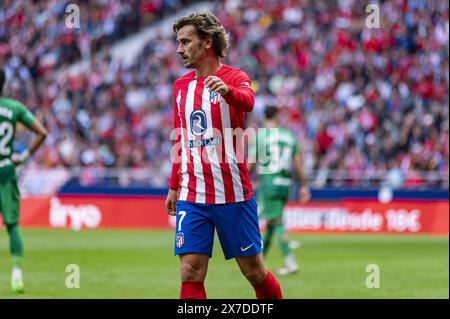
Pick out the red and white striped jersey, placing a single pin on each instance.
(208, 164)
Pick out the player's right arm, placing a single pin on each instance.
(33, 124)
(171, 201)
(174, 181)
(305, 194)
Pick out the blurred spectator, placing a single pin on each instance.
(362, 101)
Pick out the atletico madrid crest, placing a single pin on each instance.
(179, 240)
(214, 97)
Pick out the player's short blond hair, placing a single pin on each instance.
(207, 25)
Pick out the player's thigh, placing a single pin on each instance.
(238, 228)
(272, 208)
(10, 202)
(194, 230)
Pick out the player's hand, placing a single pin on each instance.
(215, 84)
(171, 201)
(20, 158)
(305, 194)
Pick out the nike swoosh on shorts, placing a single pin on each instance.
(246, 248)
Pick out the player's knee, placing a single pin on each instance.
(190, 272)
(255, 274)
(11, 227)
(277, 221)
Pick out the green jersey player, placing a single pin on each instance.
(276, 152)
(12, 112)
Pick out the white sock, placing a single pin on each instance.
(16, 274)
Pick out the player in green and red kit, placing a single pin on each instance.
(276, 152)
(12, 112)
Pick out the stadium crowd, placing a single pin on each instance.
(364, 102)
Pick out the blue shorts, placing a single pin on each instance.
(236, 224)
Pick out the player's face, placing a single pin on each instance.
(190, 47)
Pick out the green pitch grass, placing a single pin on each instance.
(140, 264)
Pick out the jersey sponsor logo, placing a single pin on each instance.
(204, 142)
(179, 240)
(198, 122)
(246, 248)
(214, 97)
(89, 216)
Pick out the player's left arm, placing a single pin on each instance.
(252, 154)
(305, 194)
(34, 125)
(238, 92)
(251, 167)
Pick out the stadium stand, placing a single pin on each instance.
(368, 105)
